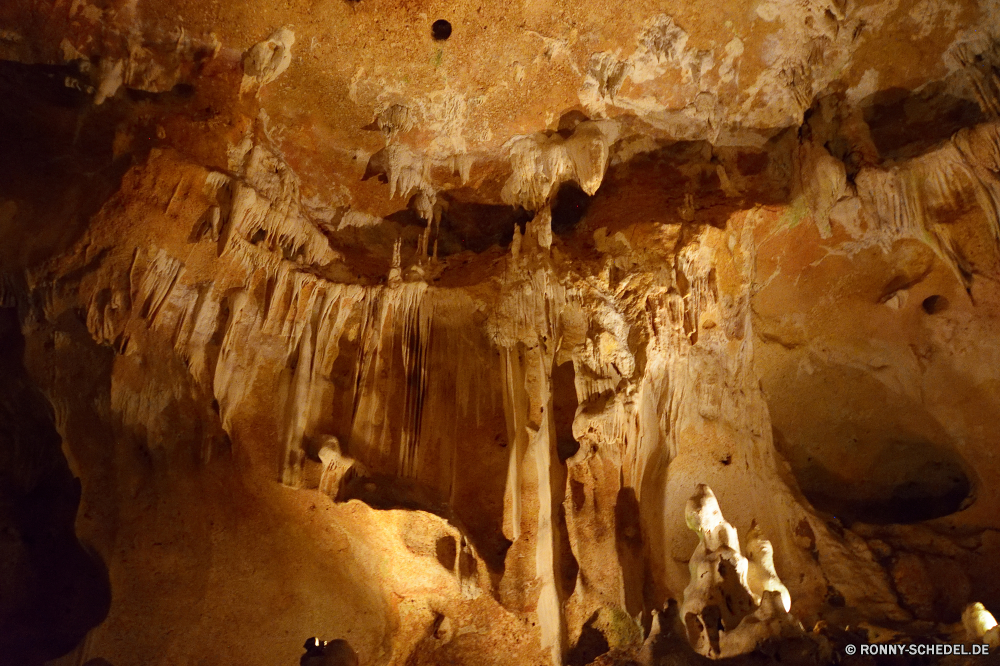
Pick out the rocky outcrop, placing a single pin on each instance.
(347, 332)
(734, 603)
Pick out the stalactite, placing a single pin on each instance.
(514, 408)
(541, 163)
(980, 59)
(198, 336)
(404, 170)
(979, 147)
(662, 372)
(528, 425)
(297, 411)
(416, 337)
(156, 284)
(281, 223)
(915, 199)
(230, 385)
(550, 615)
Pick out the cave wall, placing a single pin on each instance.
(411, 355)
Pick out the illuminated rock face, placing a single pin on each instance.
(734, 602)
(353, 329)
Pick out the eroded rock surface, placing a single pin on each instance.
(422, 339)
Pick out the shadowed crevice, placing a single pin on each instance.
(52, 590)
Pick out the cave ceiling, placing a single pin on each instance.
(453, 330)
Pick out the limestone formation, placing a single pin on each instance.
(733, 602)
(419, 324)
(337, 652)
(338, 469)
(980, 626)
(265, 61)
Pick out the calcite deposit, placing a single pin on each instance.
(421, 333)
(734, 601)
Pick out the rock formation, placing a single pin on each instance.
(318, 320)
(733, 602)
(337, 652)
(980, 625)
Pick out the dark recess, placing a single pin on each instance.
(934, 304)
(52, 591)
(628, 543)
(568, 209)
(591, 645)
(904, 123)
(564, 404)
(568, 122)
(939, 488)
(447, 552)
(441, 30)
(55, 155)
(385, 492)
(477, 227)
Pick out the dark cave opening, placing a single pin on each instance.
(591, 645)
(919, 484)
(54, 589)
(476, 227)
(568, 208)
(564, 406)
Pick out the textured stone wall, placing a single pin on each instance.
(347, 331)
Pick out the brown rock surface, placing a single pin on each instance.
(325, 323)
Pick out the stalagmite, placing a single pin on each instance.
(732, 603)
(761, 575)
(338, 469)
(980, 625)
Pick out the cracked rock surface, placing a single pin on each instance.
(318, 322)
